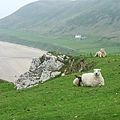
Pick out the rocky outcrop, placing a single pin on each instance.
(49, 66)
(41, 70)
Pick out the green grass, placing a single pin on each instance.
(58, 99)
(63, 43)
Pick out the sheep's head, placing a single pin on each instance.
(97, 72)
(102, 50)
(79, 78)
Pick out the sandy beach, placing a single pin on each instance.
(15, 60)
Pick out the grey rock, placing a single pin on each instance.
(41, 71)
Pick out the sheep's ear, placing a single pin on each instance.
(76, 76)
(100, 69)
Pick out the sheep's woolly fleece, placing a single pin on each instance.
(90, 79)
(100, 53)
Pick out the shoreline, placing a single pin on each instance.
(15, 60)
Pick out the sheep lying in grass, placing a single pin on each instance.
(90, 79)
(100, 53)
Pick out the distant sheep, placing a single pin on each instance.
(90, 79)
(103, 52)
(100, 53)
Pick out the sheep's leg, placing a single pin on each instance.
(81, 84)
(100, 84)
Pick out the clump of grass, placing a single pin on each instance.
(2, 81)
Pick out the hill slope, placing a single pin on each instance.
(58, 99)
(102, 17)
(48, 22)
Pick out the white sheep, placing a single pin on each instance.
(100, 53)
(91, 79)
(103, 53)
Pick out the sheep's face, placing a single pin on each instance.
(102, 50)
(97, 72)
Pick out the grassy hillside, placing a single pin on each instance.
(67, 17)
(65, 44)
(51, 25)
(58, 99)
